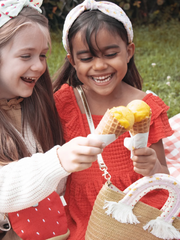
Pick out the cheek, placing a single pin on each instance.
(80, 69)
(44, 67)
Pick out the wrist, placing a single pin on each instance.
(58, 156)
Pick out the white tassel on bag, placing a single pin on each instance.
(161, 229)
(121, 212)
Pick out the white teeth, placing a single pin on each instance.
(28, 78)
(102, 79)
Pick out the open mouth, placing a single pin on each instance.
(28, 79)
(102, 79)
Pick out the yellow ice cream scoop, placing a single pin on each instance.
(140, 109)
(124, 116)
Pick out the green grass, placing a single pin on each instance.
(56, 59)
(159, 45)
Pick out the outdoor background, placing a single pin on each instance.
(156, 26)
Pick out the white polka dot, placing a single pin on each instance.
(28, 220)
(37, 233)
(17, 214)
(53, 233)
(35, 205)
(36, 209)
(22, 231)
(59, 212)
(57, 222)
(49, 199)
(43, 220)
(49, 209)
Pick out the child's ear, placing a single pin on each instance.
(70, 58)
(130, 50)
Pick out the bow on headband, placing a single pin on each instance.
(11, 8)
(107, 8)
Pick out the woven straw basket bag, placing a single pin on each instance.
(103, 226)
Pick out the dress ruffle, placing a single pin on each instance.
(159, 127)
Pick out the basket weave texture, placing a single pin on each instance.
(104, 227)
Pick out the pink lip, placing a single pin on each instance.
(30, 84)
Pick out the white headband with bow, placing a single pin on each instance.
(108, 8)
(11, 8)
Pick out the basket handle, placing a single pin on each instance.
(161, 226)
(144, 185)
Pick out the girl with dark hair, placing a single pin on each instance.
(100, 57)
(31, 174)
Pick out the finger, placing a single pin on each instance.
(83, 159)
(143, 172)
(139, 159)
(90, 142)
(140, 165)
(86, 150)
(142, 151)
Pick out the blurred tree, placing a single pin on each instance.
(140, 12)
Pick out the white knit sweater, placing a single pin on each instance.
(25, 182)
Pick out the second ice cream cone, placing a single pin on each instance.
(141, 127)
(142, 115)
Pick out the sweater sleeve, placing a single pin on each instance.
(25, 182)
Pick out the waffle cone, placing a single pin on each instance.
(141, 127)
(109, 125)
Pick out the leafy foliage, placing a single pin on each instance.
(56, 11)
(144, 11)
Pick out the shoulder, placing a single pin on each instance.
(156, 104)
(131, 93)
(63, 91)
(66, 104)
(64, 96)
(64, 99)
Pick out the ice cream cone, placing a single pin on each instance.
(109, 125)
(142, 115)
(141, 127)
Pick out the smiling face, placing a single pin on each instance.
(23, 61)
(104, 72)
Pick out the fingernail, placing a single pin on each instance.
(103, 145)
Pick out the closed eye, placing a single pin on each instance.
(111, 55)
(86, 59)
(25, 56)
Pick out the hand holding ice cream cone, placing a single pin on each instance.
(118, 120)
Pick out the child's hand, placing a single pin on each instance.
(145, 161)
(79, 153)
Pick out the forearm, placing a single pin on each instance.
(29, 180)
(160, 166)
